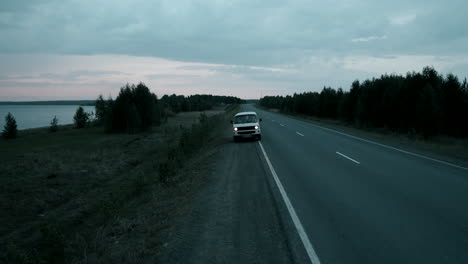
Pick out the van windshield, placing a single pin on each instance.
(241, 119)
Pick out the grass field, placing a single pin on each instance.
(82, 196)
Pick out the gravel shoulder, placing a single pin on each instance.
(234, 218)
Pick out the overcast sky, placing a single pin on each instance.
(60, 49)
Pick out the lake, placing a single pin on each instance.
(32, 116)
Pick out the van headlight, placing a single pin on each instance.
(256, 127)
(235, 129)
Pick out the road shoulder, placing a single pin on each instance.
(235, 217)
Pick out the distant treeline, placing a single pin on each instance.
(180, 103)
(61, 102)
(425, 103)
(137, 109)
(251, 101)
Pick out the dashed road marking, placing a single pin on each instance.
(343, 155)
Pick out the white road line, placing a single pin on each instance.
(386, 146)
(343, 155)
(300, 229)
(299, 134)
(281, 125)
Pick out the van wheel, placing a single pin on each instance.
(235, 139)
(259, 137)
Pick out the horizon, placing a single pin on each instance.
(55, 99)
(87, 100)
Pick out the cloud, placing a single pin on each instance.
(402, 64)
(402, 19)
(238, 45)
(236, 32)
(64, 78)
(370, 38)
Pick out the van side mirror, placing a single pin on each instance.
(260, 120)
(230, 121)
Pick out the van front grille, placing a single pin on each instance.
(245, 132)
(246, 128)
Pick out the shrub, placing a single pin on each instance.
(81, 118)
(190, 141)
(10, 129)
(54, 124)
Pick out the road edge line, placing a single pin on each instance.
(313, 257)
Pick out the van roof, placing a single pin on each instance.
(246, 113)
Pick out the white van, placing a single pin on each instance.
(246, 125)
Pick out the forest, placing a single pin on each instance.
(180, 103)
(423, 103)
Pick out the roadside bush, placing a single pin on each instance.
(190, 141)
(81, 118)
(10, 129)
(54, 124)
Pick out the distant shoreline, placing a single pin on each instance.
(58, 102)
(34, 115)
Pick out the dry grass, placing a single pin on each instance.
(82, 196)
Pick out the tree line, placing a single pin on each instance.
(135, 109)
(198, 102)
(425, 103)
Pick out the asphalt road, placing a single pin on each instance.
(355, 201)
(361, 202)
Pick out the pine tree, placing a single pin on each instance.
(10, 129)
(427, 111)
(134, 120)
(54, 124)
(100, 107)
(81, 118)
